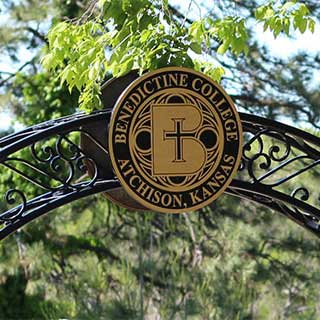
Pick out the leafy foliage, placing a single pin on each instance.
(41, 97)
(143, 35)
(93, 260)
(280, 19)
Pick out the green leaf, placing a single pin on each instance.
(196, 47)
(223, 47)
(301, 23)
(246, 50)
(260, 12)
(277, 28)
(237, 45)
(145, 35)
(65, 74)
(288, 5)
(197, 30)
(286, 26)
(125, 67)
(269, 13)
(311, 25)
(217, 73)
(303, 10)
(47, 61)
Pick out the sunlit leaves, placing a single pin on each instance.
(280, 18)
(197, 30)
(210, 69)
(140, 34)
(84, 48)
(231, 32)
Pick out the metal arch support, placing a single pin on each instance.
(48, 202)
(276, 162)
(53, 163)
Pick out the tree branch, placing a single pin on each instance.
(12, 75)
(179, 15)
(37, 34)
(272, 103)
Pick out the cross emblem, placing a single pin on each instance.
(178, 135)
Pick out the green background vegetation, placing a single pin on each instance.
(94, 260)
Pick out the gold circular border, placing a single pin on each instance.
(110, 142)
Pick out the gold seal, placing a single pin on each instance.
(175, 140)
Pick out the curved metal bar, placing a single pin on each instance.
(33, 167)
(275, 156)
(34, 209)
(283, 165)
(254, 124)
(302, 218)
(270, 197)
(247, 119)
(39, 132)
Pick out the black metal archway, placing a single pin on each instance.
(55, 159)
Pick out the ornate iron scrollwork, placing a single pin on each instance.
(276, 158)
(59, 169)
(49, 158)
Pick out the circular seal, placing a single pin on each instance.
(175, 140)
